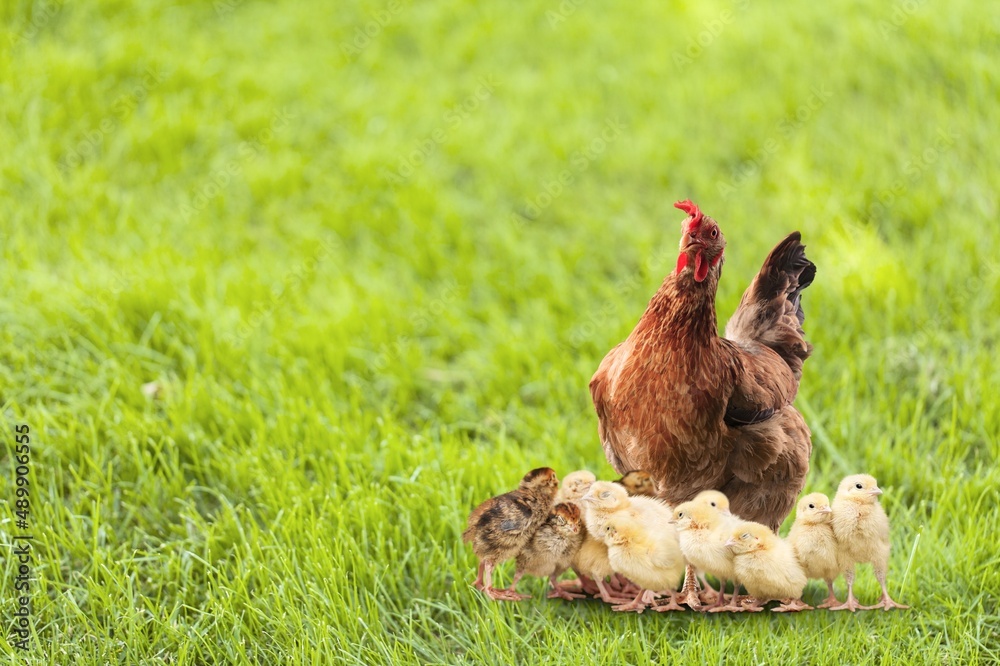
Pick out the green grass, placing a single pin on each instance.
(370, 303)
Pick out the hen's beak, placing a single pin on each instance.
(825, 509)
(876, 491)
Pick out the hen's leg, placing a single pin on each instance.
(558, 592)
(886, 601)
(689, 593)
(831, 598)
(850, 603)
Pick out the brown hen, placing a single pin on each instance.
(699, 411)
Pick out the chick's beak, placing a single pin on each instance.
(730, 543)
(876, 491)
(587, 498)
(727, 512)
(825, 509)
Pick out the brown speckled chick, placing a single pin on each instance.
(552, 549)
(638, 482)
(502, 526)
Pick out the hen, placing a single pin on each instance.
(699, 411)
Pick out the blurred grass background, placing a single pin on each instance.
(366, 256)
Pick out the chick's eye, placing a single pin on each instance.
(605, 495)
(713, 503)
(858, 486)
(745, 536)
(812, 506)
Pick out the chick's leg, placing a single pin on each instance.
(707, 594)
(850, 603)
(638, 604)
(606, 595)
(478, 583)
(584, 584)
(492, 592)
(671, 605)
(518, 575)
(734, 605)
(689, 593)
(720, 600)
(791, 606)
(886, 601)
(558, 592)
(831, 598)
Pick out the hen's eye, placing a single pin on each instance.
(715, 232)
(812, 506)
(858, 486)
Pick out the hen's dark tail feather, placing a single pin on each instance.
(770, 312)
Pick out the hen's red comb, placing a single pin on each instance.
(692, 210)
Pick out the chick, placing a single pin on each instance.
(815, 546)
(862, 531)
(552, 549)
(607, 501)
(690, 594)
(651, 558)
(502, 526)
(638, 482)
(575, 485)
(592, 558)
(767, 567)
(702, 531)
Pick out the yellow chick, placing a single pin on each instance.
(815, 546)
(638, 482)
(689, 594)
(651, 558)
(590, 562)
(702, 531)
(862, 531)
(767, 567)
(575, 485)
(605, 500)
